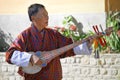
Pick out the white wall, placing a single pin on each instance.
(75, 68)
(14, 24)
(53, 6)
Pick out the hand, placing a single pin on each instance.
(109, 30)
(35, 60)
(93, 37)
(90, 40)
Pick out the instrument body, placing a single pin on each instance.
(32, 69)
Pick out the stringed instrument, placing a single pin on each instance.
(32, 69)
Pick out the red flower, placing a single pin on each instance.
(57, 27)
(62, 29)
(118, 33)
(73, 27)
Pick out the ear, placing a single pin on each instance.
(32, 18)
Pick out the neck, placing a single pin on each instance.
(39, 27)
(55, 53)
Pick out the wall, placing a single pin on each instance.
(60, 6)
(53, 6)
(75, 68)
(112, 5)
(15, 24)
(14, 18)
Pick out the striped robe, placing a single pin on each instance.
(45, 40)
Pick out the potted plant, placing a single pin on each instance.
(113, 41)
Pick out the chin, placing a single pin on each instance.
(46, 25)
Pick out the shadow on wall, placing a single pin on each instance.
(78, 24)
(5, 40)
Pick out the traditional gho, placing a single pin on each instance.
(32, 69)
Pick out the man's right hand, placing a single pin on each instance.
(35, 60)
(109, 30)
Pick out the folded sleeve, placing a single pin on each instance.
(18, 51)
(20, 58)
(82, 49)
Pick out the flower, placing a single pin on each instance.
(60, 29)
(70, 29)
(95, 43)
(73, 27)
(118, 33)
(56, 28)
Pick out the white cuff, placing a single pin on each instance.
(82, 49)
(20, 58)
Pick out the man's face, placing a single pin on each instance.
(41, 18)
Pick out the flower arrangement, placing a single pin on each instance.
(71, 29)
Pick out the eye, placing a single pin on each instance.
(45, 15)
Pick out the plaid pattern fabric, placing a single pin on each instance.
(45, 40)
